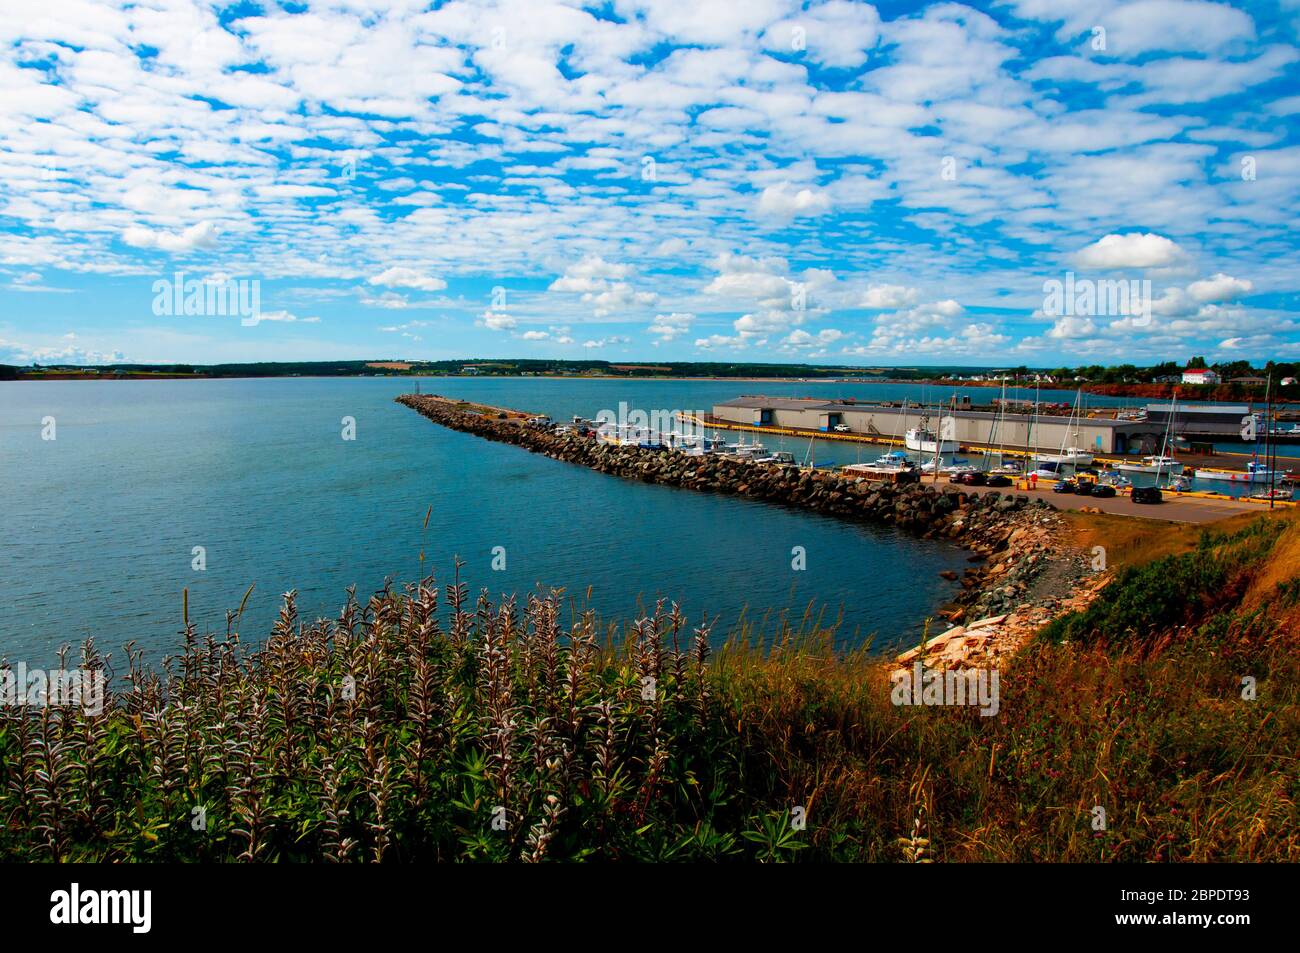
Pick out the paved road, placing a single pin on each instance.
(1176, 510)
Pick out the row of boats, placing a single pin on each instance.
(1069, 462)
(691, 444)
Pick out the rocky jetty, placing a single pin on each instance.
(1004, 531)
(1032, 575)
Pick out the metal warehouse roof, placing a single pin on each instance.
(837, 407)
(779, 403)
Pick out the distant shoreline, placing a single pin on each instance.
(1135, 391)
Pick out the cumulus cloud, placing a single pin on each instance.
(399, 277)
(600, 284)
(590, 274)
(1131, 250)
(802, 339)
(198, 235)
(669, 326)
(1219, 287)
(882, 297)
(784, 201)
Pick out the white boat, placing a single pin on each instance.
(1074, 456)
(781, 457)
(1276, 493)
(1156, 464)
(893, 466)
(952, 469)
(1254, 473)
(1111, 478)
(1049, 470)
(629, 435)
(922, 440)
(693, 444)
(894, 459)
(1179, 484)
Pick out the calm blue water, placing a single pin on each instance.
(99, 524)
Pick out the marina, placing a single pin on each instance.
(1055, 480)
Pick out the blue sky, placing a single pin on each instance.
(831, 182)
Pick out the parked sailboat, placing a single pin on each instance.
(1159, 463)
(1074, 455)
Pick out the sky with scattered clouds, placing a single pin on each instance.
(767, 180)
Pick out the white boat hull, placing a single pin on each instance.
(917, 445)
(1232, 476)
(1171, 468)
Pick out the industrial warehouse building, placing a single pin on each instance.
(1202, 420)
(1014, 431)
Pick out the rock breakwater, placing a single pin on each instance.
(985, 522)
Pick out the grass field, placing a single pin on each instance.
(1161, 724)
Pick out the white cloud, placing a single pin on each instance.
(889, 296)
(802, 339)
(669, 326)
(200, 235)
(1220, 287)
(1132, 250)
(1072, 327)
(589, 275)
(494, 321)
(399, 277)
(785, 201)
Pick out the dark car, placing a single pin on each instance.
(1146, 494)
(972, 479)
(1103, 489)
(1063, 486)
(999, 479)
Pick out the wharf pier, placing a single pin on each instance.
(1225, 460)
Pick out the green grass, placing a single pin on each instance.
(651, 747)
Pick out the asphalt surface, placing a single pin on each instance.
(1173, 509)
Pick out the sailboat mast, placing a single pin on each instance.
(1268, 422)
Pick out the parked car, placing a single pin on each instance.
(841, 428)
(998, 480)
(1146, 494)
(1103, 490)
(972, 479)
(1063, 486)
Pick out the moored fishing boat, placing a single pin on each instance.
(1072, 456)
(694, 444)
(624, 435)
(923, 440)
(1254, 473)
(893, 467)
(1154, 464)
(1049, 470)
(1276, 493)
(780, 457)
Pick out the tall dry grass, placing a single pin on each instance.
(409, 730)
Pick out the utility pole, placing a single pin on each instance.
(1269, 448)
